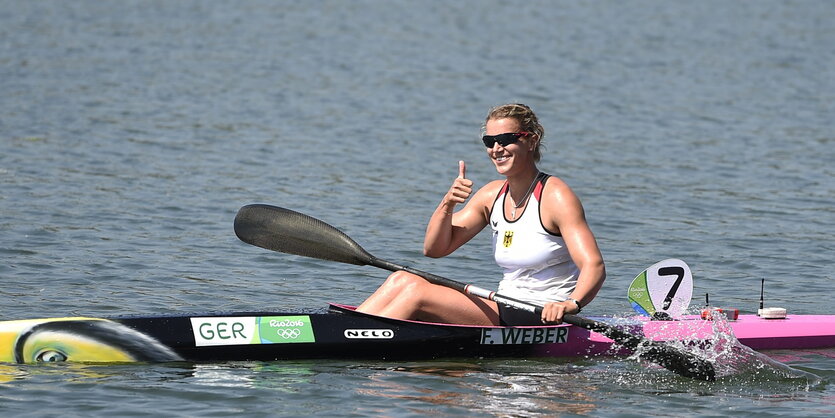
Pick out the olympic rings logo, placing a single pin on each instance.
(289, 334)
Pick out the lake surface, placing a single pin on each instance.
(131, 132)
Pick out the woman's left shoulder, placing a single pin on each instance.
(556, 188)
(559, 206)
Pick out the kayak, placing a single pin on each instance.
(340, 332)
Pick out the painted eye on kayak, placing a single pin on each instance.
(50, 356)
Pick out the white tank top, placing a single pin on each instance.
(537, 266)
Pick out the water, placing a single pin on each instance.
(132, 131)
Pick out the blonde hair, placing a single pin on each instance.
(523, 114)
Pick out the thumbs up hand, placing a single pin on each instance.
(461, 188)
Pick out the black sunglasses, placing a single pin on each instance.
(503, 139)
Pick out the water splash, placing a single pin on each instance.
(735, 363)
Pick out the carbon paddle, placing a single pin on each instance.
(291, 232)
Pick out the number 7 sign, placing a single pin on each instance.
(665, 287)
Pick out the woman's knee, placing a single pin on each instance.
(405, 282)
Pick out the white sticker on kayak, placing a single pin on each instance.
(368, 334)
(548, 335)
(223, 331)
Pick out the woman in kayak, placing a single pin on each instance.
(540, 238)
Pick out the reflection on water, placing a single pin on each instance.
(83, 373)
(499, 387)
(10, 373)
(279, 376)
(496, 387)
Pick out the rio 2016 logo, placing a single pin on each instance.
(275, 323)
(285, 329)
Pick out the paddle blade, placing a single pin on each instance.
(679, 361)
(290, 232)
(671, 358)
